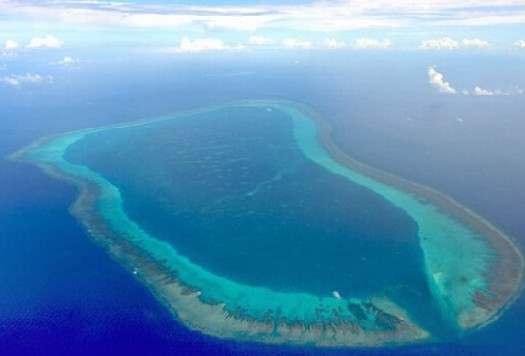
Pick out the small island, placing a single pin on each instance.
(248, 222)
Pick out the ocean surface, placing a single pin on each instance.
(63, 295)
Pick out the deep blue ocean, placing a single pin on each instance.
(62, 295)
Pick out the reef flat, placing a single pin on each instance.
(503, 279)
(474, 270)
(471, 270)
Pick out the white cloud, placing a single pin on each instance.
(11, 45)
(437, 81)
(333, 43)
(17, 80)
(45, 42)
(450, 43)
(481, 91)
(486, 92)
(67, 60)
(317, 15)
(520, 43)
(203, 44)
(371, 43)
(440, 43)
(475, 42)
(296, 43)
(111, 15)
(10, 49)
(259, 40)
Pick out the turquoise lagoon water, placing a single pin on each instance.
(230, 187)
(243, 203)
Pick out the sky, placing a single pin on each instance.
(75, 30)
(235, 24)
